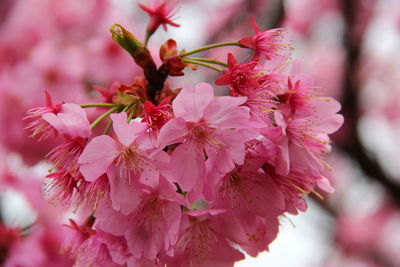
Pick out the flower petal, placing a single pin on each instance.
(226, 111)
(125, 196)
(188, 165)
(126, 132)
(72, 121)
(191, 101)
(97, 156)
(172, 132)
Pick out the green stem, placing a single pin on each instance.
(209, 60)
(99, 119)
(133, 112)
(203, 64)
(101, 105)
(209, 47)
(127, 107)
(108, 128)
(147, 38)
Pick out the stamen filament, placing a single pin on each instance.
(271, 110)
(317, 194)
(326, 164)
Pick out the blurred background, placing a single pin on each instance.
(350, 47)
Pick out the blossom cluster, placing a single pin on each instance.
(181, 177)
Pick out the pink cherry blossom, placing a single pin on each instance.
(156, 222)
(253, 80)
(204, 125)
(95, 252)
(244, 193)
(153, 225)
(253, 235)
(92, 192)
(38, 125)
(242, 77)
(201, 244)
(62, 186)
(78, 235)
(303, 123)
(157, 116)
(73, 124)
(161, 12)
(71, 121)
(269, 43)
(129, 161)
(178, 176)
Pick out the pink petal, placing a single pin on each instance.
(172, 132)
(222, 157)
(72, 121)
(97, 156)
(226, 112)
(191, 101)
(302, 157)
(143, 243)
(172, 215)
(325, 185)
(330, 124)
(156, 163)
(126, 132)
(283, 158)
(326, 106)
(125, 196)
(111, 221)
(188, 165)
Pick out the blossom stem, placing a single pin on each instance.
(99, 105)
(209, 47)
(99, 119)
(203, 64)
(108, 128)
(133, 112)
(127, 107)
(147, 38)
(208, 60)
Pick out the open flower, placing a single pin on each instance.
(129, 161)
(200, 243)
(253, 80)
(153, 225)
(73, 124)
(269, 43)
(208, 129)
(38, 125)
